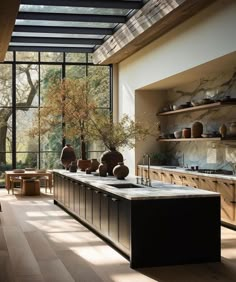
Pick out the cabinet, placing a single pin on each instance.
(128, 223)
(226, 188)
(197, 108)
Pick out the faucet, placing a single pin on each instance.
(148, 179)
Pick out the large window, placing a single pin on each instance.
(24, 79)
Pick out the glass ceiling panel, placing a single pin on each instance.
(51, 45)
(57, 35)
(65, 24)
(73, 10)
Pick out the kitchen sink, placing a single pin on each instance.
(126, 185)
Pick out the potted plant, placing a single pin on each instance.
(116, 135)
(67, 103)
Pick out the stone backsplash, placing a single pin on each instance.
(205, 154)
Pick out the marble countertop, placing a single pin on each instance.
(159, 190)
(191, 172)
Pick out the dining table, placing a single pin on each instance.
(27, 174)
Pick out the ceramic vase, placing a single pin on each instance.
(232, 129)
(73, 166)
(120, 171)
(102, 168)
(223, 130)
(67, 156)
(112, 158)
(197, 129)
(186, 132)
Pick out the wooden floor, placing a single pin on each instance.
(40, 242)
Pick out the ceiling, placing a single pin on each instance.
(69, 25)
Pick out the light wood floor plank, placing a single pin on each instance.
(58, 248)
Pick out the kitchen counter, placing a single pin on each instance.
(152, 226)
(190, 172)
(159, 190)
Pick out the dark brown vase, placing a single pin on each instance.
(83, 164)
(197, 129)
(67, 156)
(102, 169)
(73, 166)
(112, 158)
(120, 171)
(186, 132)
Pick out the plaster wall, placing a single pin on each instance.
(204, 38)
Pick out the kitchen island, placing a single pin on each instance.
(152, 226)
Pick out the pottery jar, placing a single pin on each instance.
(186, 132)
(223, 130)
(102, 168)
(197, 129)
(120, 171)
(232, 129)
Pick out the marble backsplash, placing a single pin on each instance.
(205, 154)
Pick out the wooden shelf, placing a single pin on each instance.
(201, 107)
(197, 139)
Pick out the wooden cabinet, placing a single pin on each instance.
(190, 180)
(96, 210)
(104, 213)
(226, 188)
(166, 176)
(155, 174)
(207, 183)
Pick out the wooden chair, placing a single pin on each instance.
(16, 180)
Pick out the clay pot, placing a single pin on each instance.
(83, 164)
(197, 129)
(93, 166)
(120, 171)
(223, 130)
(67, 156)
(112, 158)
(186, 132)
(102, 168)
(232, 129)
(73, 166)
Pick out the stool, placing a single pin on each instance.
(31, 187)
(45, 181)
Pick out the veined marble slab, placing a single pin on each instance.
(159, 190)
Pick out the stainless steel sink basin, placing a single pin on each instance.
(126, 185)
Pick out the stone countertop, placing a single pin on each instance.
(159, 190)
(191, 172)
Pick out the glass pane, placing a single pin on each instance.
(65, 24)
(24, 123)
(51, 57)
(9, 56)
(57, 35)
(51, 141)
(50, 160)
(75, 71)
(27, 56)
(76, 57)
(90, 57)
(5, 85)
(95, 149)
(27, 85)
(51, 45)
(5, 164)
(27, 159)
(48, 73)
(73, 10)
(99, 77)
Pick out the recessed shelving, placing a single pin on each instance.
(200, 107)
(197, 139)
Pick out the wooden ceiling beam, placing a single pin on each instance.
(8, 13)
(155, 19)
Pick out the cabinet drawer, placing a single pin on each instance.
(226, 188)
(155, 174)
(190, 180)
(227, 211)
(177, 178)
(207, 183)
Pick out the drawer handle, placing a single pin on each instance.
(184, 177)
(97, 192)
(171, 175)
(180, 177)
(154, 172)
(114, 200)
(214, 181)
(233, 202)
(226, 184)
(105, 195)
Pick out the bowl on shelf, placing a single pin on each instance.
(178, 134)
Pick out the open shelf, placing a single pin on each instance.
(201, 107)
(196, 139)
